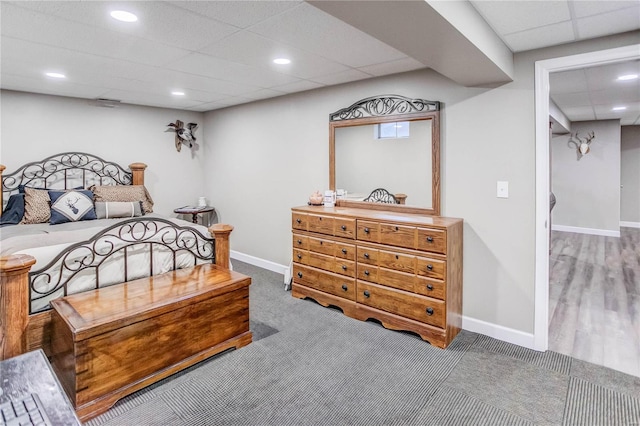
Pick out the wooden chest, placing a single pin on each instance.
(404, 270)
(115, 340)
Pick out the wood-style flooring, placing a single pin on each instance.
(594, 298)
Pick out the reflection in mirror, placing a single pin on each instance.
(366, 159)
(389, 142)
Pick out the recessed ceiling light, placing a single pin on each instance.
(124, 16)
(55, 75)
(628, 77)
(282, 61)
(620, 108)
(177, 93)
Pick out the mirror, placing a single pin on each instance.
(388, 142)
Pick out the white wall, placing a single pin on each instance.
(265, 157)
(587, 190)
(36, 126)
(630, 175)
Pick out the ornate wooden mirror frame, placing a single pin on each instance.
(385, 109)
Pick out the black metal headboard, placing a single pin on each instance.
(64, 171)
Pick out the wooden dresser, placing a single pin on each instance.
(404, 270)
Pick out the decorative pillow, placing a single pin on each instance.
(117, 209)
(36, 206)
(71, 206)
(127, 193)
(13, 211)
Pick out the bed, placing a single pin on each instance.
(42, 261)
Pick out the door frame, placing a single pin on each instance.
(542, 70)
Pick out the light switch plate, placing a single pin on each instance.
(503, 189)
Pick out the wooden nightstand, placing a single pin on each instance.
(194, 211)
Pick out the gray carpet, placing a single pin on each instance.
(310, 365)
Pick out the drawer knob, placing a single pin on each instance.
(299, 241)
(430, 267)
(344, 251)
(344, 267)
(344, 287)
(344, 227)
(396, 228)
(366, 230)
(319, 218)
(366, 255)
(429, 311)
(299, 256)
(298, 221)
(366, 294)
(429, 239)
(299, 274)
(429, 287)
(321, 242)
(366, 273)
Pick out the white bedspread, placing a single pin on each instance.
(44, 242)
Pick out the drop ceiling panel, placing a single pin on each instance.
(51, 31)
(392, 67)
(609, 23)
(140, 98)
(568, 81)
(157, 21)
(51, 87)
(530, 39)
(508, 17)
(571, 99)
(298, 86)
(616, 96)
(173, 80)
(240, 14)
(579, 113)
(605, 77)
(584, 8)
(342, 77)
(209, 66)
(254, 50)
(330, 37)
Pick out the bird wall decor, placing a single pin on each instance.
(184, 135)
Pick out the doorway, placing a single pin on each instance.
(542, 238)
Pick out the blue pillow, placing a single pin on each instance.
(71, 206)
(13, 211)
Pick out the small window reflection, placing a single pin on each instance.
(394, 130)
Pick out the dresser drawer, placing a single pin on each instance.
(433, 240)
(301, 256)
(344, 267)
(300, 241)
(431, 288)
(327, 282)
(367, 273)
(395, 279)
(432, 268)
(321, 224)
(299, 221)
(368, 231)
(319, 261)
(345, 251)
(320, 245)
(368, 256)
(397, 261)
(345, 228)
(398, 235)
(420, 308)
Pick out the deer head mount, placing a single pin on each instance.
(581, 144)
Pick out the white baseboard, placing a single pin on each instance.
(265, 264)
(629, 224)
(499, 332)
(591, 231)
(477, 326)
